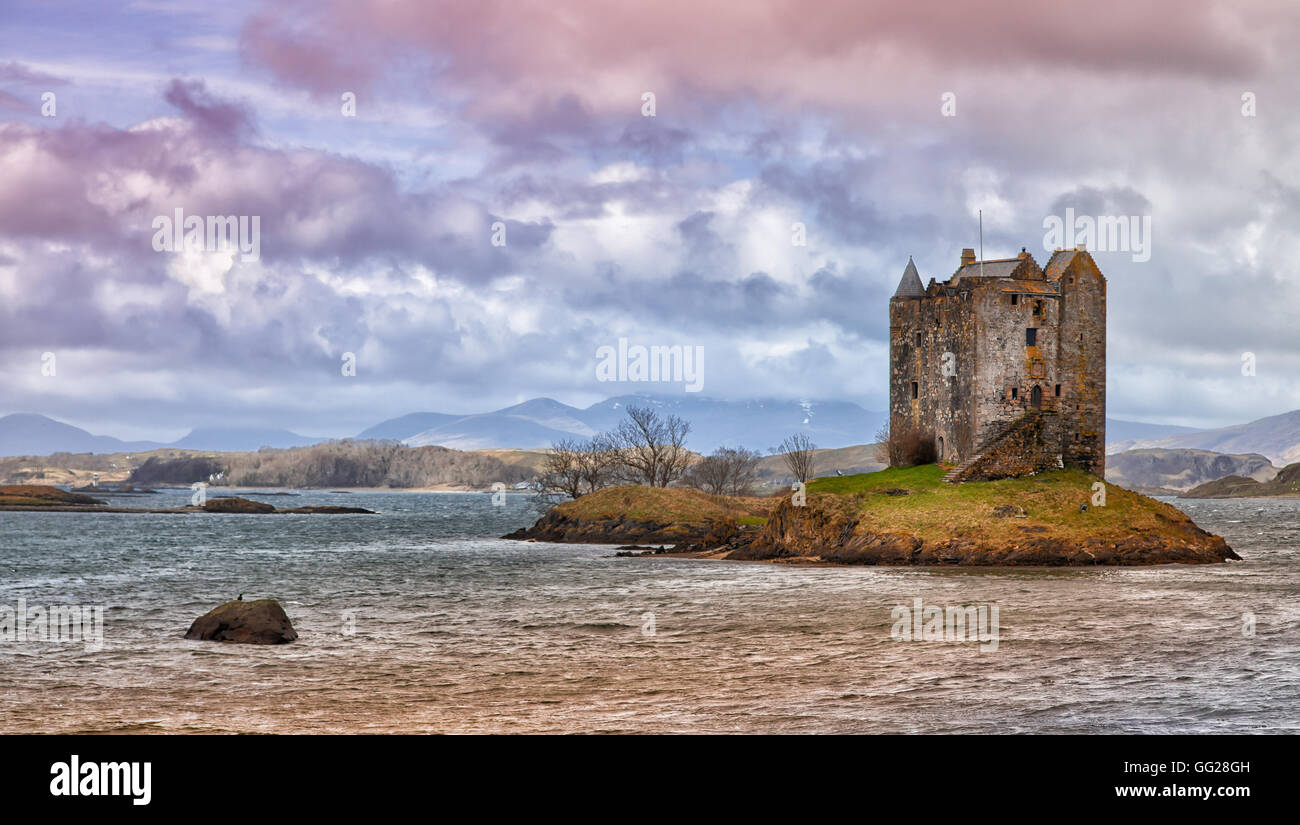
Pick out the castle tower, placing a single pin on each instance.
(1004, 364)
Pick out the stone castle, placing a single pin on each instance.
(1003, 364)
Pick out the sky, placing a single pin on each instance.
(460, 203)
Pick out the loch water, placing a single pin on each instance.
(419, 619)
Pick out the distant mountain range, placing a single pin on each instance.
(29, 434)
(1121, 435)
(535, 424)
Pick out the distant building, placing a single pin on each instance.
(1003, 364)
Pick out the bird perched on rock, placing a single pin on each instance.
(241, 597)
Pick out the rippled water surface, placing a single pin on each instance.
(457, 631)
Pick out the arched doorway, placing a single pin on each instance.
(1036, 397)
(941, 448)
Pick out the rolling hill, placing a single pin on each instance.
(1276, 437)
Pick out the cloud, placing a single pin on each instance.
(14, 72)
(216, 118)
(672, 229)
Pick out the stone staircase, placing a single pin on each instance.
(951, 475)
(954, 475)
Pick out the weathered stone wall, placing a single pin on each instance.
(1082, 362)
(922, 332)
(1005, 362)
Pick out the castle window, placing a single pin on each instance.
(1058, 390)
(916, 389)
(1038, 307)
(1031, 337)
(918, 339)
(1015, 299)
(1015, 393)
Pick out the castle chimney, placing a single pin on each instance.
(1081, 248)
(1023, 254)
(967, 257)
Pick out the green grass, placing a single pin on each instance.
(916, 501)
(925, 477)
(934, 509)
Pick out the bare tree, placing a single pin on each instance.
(881, 447)
(799, 453)
(676, 457)
(562, 469)
(651, 450)
(597, 460)
(744, 471)
(573, 467)
(708, 474)
(728, 471)
(909, 446)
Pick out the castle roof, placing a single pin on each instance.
(910, 285)
(1029, 286)
(1000, 268)
(1023, 266)
(1057, 264)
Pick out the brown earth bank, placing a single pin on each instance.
(895, 517)
(815, 534)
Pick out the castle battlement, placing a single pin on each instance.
(1001, 344)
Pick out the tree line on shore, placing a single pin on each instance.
(344, 463)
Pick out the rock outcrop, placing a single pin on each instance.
(40, 495)
(260, 622)
(563, 527)
(1286, 483)
(645, 515)
(236, 505)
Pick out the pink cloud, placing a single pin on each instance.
(828, 52)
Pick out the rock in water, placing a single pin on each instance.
(262, 622)
(237, 505)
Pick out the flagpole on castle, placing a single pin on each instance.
(981, 243)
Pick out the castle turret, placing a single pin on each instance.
(910, 285)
